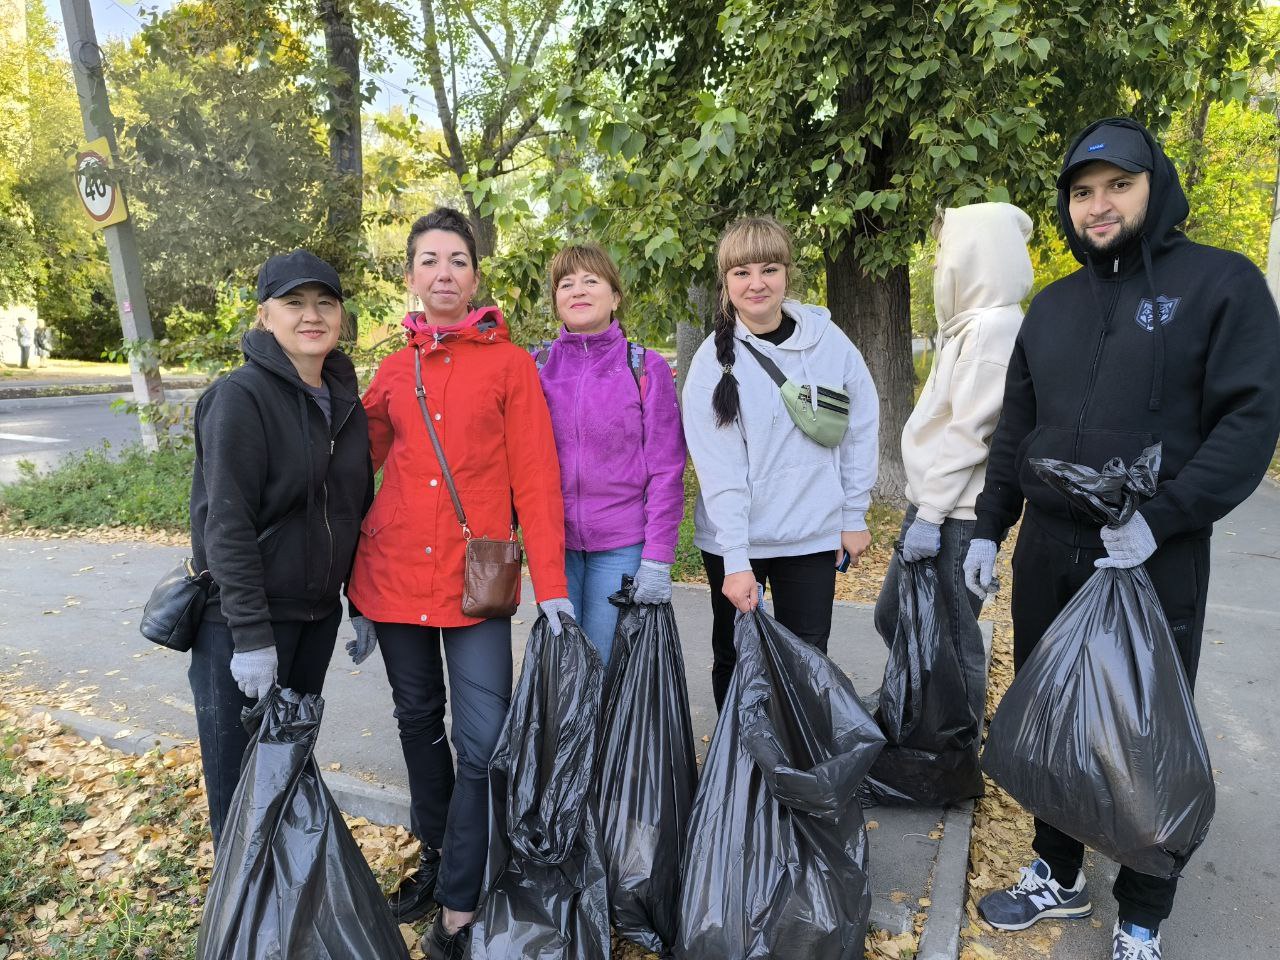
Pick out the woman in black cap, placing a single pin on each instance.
(282, 480)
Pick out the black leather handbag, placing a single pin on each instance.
(172, 615)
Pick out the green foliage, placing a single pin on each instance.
(95, 488)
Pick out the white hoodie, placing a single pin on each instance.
(766, 489)
(983, 273)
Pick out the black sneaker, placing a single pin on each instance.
(1036, 896)
(412, 899)
(439, 945)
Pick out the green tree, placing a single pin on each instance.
(852, 119)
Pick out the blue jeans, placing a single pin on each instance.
(962, 607)
(593, 576)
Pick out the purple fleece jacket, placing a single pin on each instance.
(621, 460)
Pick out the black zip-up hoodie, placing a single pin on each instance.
(278, 494)
(1093, 377)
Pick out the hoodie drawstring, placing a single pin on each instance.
(1157, 333)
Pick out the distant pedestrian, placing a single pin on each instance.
(25, 342)
(1154, 339)
(44, 341)
(282, 479)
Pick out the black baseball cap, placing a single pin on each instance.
(285, 271)
(1126, 147)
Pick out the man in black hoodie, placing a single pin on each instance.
(1154, 338)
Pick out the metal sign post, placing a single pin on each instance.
(104, 202)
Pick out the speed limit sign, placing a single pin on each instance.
(99, 194)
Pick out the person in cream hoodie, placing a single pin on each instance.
(774, 505)
(981, 276)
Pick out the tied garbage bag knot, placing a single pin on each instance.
(777, 848)
(289, 880)
(923, 705)
(545, 889)
(646, 773)
(1098, 734)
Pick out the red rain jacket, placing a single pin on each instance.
(488, 409)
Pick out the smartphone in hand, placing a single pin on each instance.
(843, 565)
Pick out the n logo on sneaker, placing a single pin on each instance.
(1045, 901)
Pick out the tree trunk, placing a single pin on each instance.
(876, 314)
(1195, 153)
(690, 333)
(342, 48)
(485, 229)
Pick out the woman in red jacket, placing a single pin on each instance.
(485, 402)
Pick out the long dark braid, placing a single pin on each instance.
(724, 401)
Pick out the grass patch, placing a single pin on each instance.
(95, 489)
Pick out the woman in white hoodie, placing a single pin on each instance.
(981, 276)
(774, 504)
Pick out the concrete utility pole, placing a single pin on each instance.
(122, 247)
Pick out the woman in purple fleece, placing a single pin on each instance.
(617, 426)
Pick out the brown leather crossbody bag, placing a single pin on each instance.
(491, 573)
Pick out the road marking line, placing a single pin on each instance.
(28, 438)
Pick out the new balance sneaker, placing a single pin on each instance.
(1036, 896)
(1131, 942)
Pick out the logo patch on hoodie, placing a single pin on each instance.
(1168, 306)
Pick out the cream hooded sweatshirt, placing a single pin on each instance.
(983, 273)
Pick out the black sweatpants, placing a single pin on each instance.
(303, 651)
(803, 588)
(1047, 573)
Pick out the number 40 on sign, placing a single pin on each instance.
(99, 193)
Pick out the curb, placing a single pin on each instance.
(940, 936)
(16, 404)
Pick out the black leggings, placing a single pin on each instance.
(1047, 573)
(803, 588)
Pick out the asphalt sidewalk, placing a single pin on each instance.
(69, 626)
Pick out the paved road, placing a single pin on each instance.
(47, 430)
(69, 613)
(1227, 905)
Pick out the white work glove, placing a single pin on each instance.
(553, 609)
(980, 568)
(254, 671)
(1128, 545)
(923, 540)
(366, 639)
(653, 582)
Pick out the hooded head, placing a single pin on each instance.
(982, 262)
(1126, 144)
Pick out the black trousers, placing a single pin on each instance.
(450, 811)
(1046, 574)
(303, 651)
(804, 588)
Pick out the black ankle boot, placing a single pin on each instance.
(413, 898)
(440, 945)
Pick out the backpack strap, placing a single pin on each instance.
(635, 360)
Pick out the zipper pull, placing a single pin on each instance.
(1115, 267)
(331, 443)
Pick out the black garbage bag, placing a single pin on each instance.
(289, 880)
(646, 774)
(931, 758)
(776, 864)
(1098, 734)
(545, 890)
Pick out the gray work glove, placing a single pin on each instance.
(653, 582)
(980, 568)
(923, 540)
(254, 671)
(553, 609)
(1128, 545)
(366, 639)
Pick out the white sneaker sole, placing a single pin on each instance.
(1056, 913)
